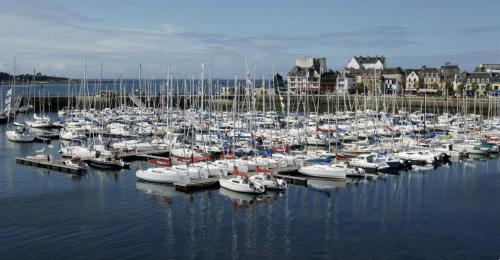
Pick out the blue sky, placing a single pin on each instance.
(54, 36)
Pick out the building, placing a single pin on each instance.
(345, 82)
(477, 80)
(366, 62)
(306, 75)
(393, 80)
(328, 81)
(430, 77)
(369, 79)
(495, 82)
(449, 73)
(491, 68)
(412, 81)
(278, 83)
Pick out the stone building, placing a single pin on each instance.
(430, 77)
(305, 76)
(393, 80)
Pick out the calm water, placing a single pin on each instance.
(75, 89)
(452, 212)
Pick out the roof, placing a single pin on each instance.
(495, 78)
(450, 67)
(301, 72)
(369, 59)
(396, 70)
(490, 66)
(478, 75)
(429, 70)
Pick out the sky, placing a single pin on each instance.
(260, 36)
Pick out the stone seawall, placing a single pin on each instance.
(323, 103)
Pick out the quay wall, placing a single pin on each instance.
(489, 106)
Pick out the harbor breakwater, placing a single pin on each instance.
(487, 106)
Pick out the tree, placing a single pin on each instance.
(420, 85)
(474, 86)
(359, 88)
(435, 86)
(449, 89)
(461, 88)
(487, 88)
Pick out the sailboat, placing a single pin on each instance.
(20, 134)
(241, 183)
(324, 171)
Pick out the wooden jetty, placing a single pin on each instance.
(297, 180)
(56, 165)
(46, 137)
(197, 184)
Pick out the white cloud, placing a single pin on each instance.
(54, 39)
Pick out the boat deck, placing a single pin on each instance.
(297, 180)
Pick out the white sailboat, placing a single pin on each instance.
(324, 171)
(20, 134)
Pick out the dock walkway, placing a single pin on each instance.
(56, 165)
(197, 184)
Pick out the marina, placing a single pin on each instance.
(255, 152)
(249, 130)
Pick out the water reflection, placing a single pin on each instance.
(114, 175)
(423, 168)
(162, 193)
(478, 157)
(48, 172)
(326, 184)
(246, 200)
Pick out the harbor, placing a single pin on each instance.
(338, 212)
(249, 130)
(251, 151)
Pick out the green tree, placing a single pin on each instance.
(474, 87)
(435, 86)
(449, 89)
(420, 85)
(487, 88)
(461, 88)
(359, 88)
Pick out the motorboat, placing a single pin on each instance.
(421, 157)
(112, 164)
(369, 162)
(75, 162)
